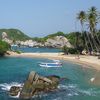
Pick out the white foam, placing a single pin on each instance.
(74, 90)
(6, 86)
(90, 91)
(67, 86)
(87, 92)
(71, 89)
(69, 94)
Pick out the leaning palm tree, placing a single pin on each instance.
(92, 18)
(96, 20)
(82, 18)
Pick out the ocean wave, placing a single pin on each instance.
(67, 86)
(70, 89)
(7, 86)
(90, 91)
(74, 90)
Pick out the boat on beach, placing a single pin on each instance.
(55, 63)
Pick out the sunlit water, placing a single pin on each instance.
(14, 71)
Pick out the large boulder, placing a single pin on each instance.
(34, 85)
(58, 42)
(4, 35)
(5, 38)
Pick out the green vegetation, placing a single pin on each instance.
(3, 47)
(42, 40)
(55, 34)
(91, 36)
(76, 39)
(17, 51)
(14, 34)
(49, 36)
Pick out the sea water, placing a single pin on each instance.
(36, 49)
(75, 86)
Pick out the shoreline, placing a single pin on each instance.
(84, 60)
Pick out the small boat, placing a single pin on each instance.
(55, 63)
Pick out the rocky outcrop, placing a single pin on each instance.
(5, 38)
(58, 42)
(55, 42)
(34, 85)
(30, 43)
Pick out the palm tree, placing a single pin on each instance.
(92, 18)
(96, 20)
(82, 18)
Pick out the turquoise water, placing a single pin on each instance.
(14, 71)
(27, 49)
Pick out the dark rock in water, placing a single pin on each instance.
(35, 84)
(14, 90)
(55, 79)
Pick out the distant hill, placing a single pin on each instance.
(14, 34)
(59, 33)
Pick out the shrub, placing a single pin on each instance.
(67, 50)
(3, 47)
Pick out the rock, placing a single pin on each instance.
(36, 84)
(4, 35)
(54, 78)
(57, 42)
(30, 43)
(5, 38)
(14, 90)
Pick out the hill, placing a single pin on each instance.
(14, 34)
(44, 39)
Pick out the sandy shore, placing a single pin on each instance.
(85, 61)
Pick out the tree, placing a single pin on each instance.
(82, 18)
(91, 39)
(3, 47)
(93, 18)
(65, 50)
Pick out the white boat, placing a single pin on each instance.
(55, 63)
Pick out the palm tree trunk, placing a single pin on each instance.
(97, 41)
(90, 42)
(84, 36)
(94, 42)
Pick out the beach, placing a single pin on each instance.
(85, 60)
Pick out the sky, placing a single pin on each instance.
(38, 18)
